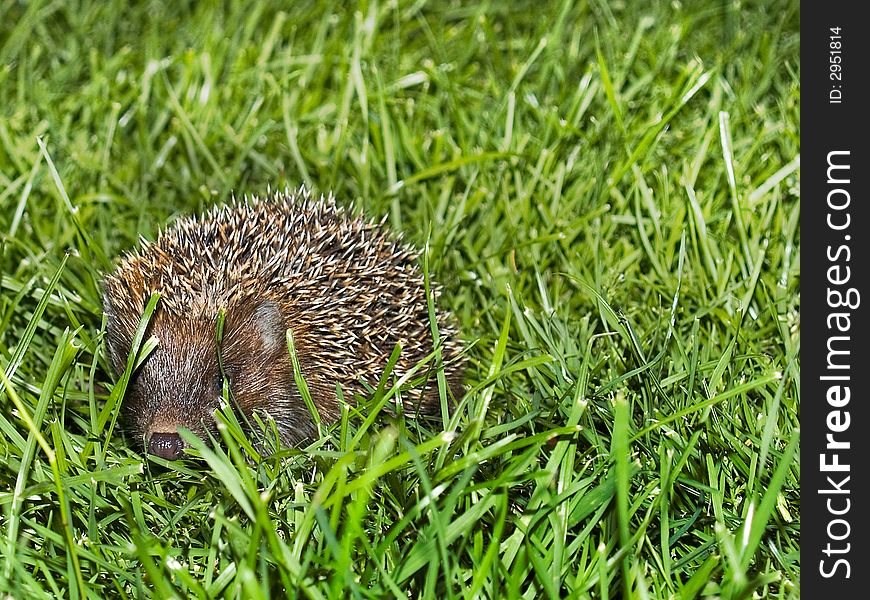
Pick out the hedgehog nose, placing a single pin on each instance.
(166, 445)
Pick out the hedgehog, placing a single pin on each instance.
(346, 288)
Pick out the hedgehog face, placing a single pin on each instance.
(180, 383)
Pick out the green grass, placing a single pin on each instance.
(608, 193)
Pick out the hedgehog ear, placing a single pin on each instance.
(269, 323)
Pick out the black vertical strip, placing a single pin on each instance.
(835, 226)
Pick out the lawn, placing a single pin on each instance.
(608, 193)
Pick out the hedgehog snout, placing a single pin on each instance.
(161, 428)
(163, 439)
(168, 445)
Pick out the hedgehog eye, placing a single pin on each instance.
(227, 374)
(219, 383)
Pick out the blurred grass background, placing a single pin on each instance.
(609, 192)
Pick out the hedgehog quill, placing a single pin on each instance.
(346, 288)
